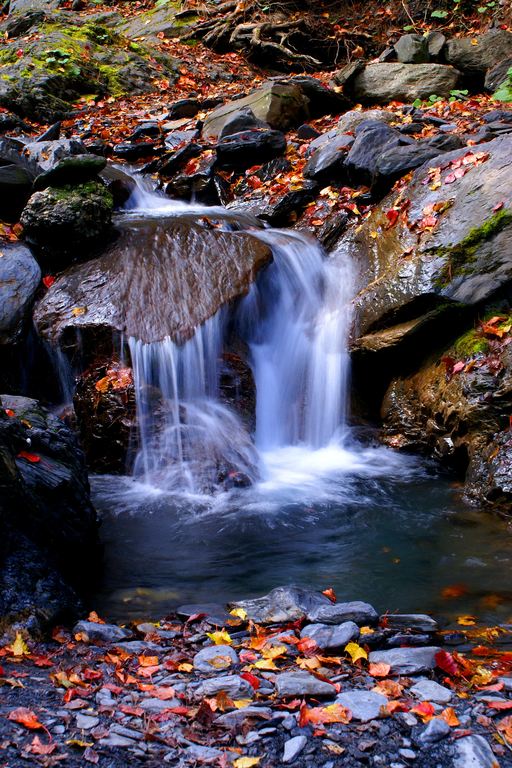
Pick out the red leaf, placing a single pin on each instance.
(251, 679)
(330, 594)
(392, 217)
(498, 206)
(19, 53)
(446, 662)
(48, 281)
(425, 710)
(9, 412)
(25, 717)
(499, 704)
(32, 457)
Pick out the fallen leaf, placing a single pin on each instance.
(19, 646)
(246, 762)
(355, 652)
(38, 748)
(77, 311)
(33, 458)
(450, 717)
(25, 717)
(447, 663)
(379, 670)
(220, 638)
(425, 710)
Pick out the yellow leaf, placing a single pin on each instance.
(366, 631)
(466, 621)
(374, 234)
(239, 612)
(265, 664)
(78, 743)
(355, 652)
(77, 311)
(308, 663)
(246, 762)
(220, 638)
(435, 186)
(334, 748)
(274, 651)
(185, 667)
(241, 703)
(19, 647)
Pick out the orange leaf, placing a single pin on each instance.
(389, 688)
(32, 457)
(25, 717)
(330, 594)
(425, 710)
(379, 670)
(450, 717)
(148, 661)
(335, 713)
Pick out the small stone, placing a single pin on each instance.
(407, 754)
(158, 705)
(407, 661)
(215, 657)
(336, 613)
(302, 684)
(507, 683)
(331, 636)
(235, 718)
(90, 631)
(293, 747)
(408, 719)
(199, 754)
(114, 740)
(433, 732)
(418, 621)
(474, 752)
(429, 690)
(86, 722)
(364, 705)
(233, 685)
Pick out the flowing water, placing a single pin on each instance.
(323, 507)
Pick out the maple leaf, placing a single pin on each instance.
(19, 646)
(425, 710)
(251, 679)
(334, 713)
(220, 638)
(389, 688)
(450, 717)
(25, 717)
(246, 762)
(447, 663)
(33, 458)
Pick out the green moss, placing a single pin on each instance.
(110, 75)
(460, 257)
(74, 193)
(8, 56)
(471, 343)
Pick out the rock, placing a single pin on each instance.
(436, 730)
(247, 148)
(396, 161)
(91, 631)
(287, 604)
(184, 108)
(350, 121)
(407, 661)
(197, 269)
(327, 162)
(332, 229)
(293, 747)
(158, 22)
(174, 162)
(158, 705)
(204, 755)
(302, 684)
(381, 83)
(429, 690)
(86, 722)
(12, 123)
(20, 277)
(215, 658)
(336, 613)
(417, 621)
(236, 718)
(214, 613)
(39, 157)
(306, 131)
(331, 636)
(346, 75)
(498, 74)
(76, 169)
(322, 100)
(233, 685)
(492, 47)
(24, 6)
(412, 49)
(15, 190)
(134, 151)
(242, 120)
(65, 221)
(364, 705)
(436, 42)
(46, 552)
(373, 140)
(52, 133)
(473, 752)
(280, 106)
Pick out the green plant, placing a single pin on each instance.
(504, 92)
(487, 7)
(458, 95)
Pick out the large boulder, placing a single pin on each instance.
(159, 279)
(39, 157)
(20, 277)
(49, 551)
(247, 148)
(280, 105)
(382, 83)
(475, 55)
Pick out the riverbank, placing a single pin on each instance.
(292, 678)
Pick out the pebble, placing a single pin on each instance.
(507, 683)
(433, 732)
(293, 748)
(158, 705)
(429, 690)
(419, 621)
(233, 685)
(302, 684)
(364, 705)
(105, 633)
(232, 719)
(215, 657)
(473, 752)
(407, 661)
(407, 754)
(86, 722)
(114, 740)
(328, 636)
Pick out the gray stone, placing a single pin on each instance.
(350, 121)
(326, 162)
(286, 604)
(429, 690)
(407, 754)
(90, 631)
(412, 49)
(336, 613)
(498, 75)
(38, 157)
(75, 169)
(15, 190)
(237, 717)
(507, 683)
(302, 684)
(492, 47)
(373, 140)
(293, 748)
(279, 105)
(20, 276)
(115, 740)
(364, 705)
(215, 658)
(139, 646)
(86, 722)
(474, 752)
(204, 755)
(242, 120)
(433, 732)
(233, 685)
(418, 621)
(331, 635)
(407, 661)
(158, 705)
(381, 83)
(435, 43)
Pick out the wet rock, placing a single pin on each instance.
(407, 661)
(328, 161)
(236, 719)
(492, 47)
(233, 685)
(381, 83)
(321, 99)
(373, 140)
(184, 108)
(215, 658)
(332, 229)
(364, 705)
(350, 121)
(412, 49)
(10, 123)
(429, 690)
(171, 164)
(247, 148)
(498, 74)
(91, 631)
(331, 636)
(302, 684)
(417, 621)
(281, 106)
(396, 161)
(288, 604)
(20, 276)
(473, 752)
(64, 221)
(336, 613)
(214, 613)
(76, 169)
(242, 120)
(293, 748)
(436, 730)
(15, 190)
(39, 157)
(198, 270)
(134, 151)
(52, 133)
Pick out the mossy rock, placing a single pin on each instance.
(70, 59)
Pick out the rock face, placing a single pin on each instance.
(198, 270)
(15, 190)
(279, 105)
(491, 48)
(381, 83)
(49, 548)
(19, 278)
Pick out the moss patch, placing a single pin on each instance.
(470, 344)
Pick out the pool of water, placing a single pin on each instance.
(371, 524)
